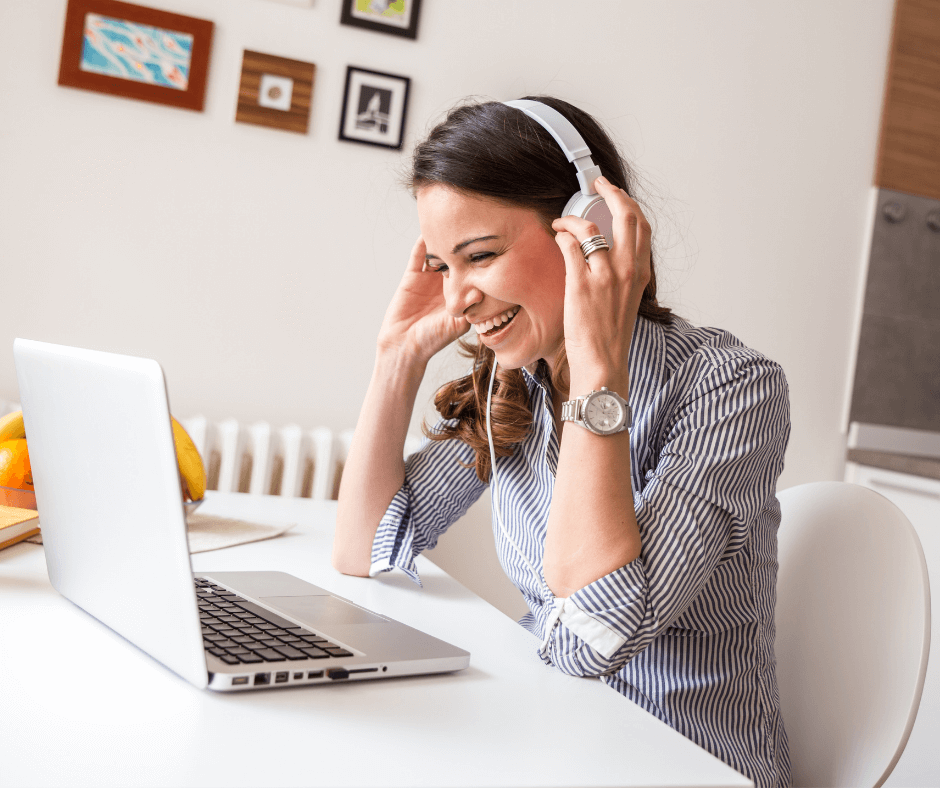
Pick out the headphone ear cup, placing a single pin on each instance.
(593, 208)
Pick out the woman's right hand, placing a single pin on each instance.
(417, 322)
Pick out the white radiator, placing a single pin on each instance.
(263, 460)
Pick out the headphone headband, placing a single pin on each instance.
(567, 137)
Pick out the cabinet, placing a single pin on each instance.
(909, 148)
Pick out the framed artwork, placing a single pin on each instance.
(275, 92)
(374, 108)
(142, 53)
(396, 17)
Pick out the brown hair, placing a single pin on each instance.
(495, 151)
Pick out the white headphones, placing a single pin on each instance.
(587, 203)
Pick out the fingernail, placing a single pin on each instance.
(602, 179)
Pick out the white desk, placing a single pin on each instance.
(108, 714)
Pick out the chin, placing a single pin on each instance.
(511, 360)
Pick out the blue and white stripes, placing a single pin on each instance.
(686, 630)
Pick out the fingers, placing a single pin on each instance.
(632, 232)
(575, 269)
(630, 225)
(418, 252)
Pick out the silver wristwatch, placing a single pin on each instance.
(602, 412)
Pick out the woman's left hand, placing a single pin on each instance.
(603, 292)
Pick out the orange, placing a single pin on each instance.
(14, 465)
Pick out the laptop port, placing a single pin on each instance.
(298, 675)
(338, 673)
(262, 678)
(314, 674)
(281, 676)
(240, 680)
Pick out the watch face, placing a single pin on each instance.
(604, 413)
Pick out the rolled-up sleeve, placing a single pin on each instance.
(440, 485)
(713, 482)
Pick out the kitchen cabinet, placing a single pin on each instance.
(909, 148)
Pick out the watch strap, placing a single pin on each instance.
(571, 410)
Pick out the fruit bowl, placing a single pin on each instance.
(22, 499)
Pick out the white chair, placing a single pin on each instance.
(853, 632)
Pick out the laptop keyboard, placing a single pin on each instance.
(240, 632)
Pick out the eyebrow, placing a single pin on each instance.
(463, 244)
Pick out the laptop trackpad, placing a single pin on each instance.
(318, 611)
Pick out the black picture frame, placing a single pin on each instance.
(369, 20)
(375, 106)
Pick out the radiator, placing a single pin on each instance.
(263, 460)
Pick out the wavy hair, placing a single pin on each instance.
(491, 150)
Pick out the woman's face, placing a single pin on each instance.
(499, 263)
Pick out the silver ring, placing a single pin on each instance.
(593, 244)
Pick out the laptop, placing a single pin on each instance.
(113, 525)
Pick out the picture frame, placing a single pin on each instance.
(275, 92)
(395, 17)
(375, 105)
(136, 52)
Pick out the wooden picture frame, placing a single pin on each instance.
(395, 17)
(275, 92)
(128, 50)
(375, 105)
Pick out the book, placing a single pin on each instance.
(17, 524)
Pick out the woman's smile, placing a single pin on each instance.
(491, 325)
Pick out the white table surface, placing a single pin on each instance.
(100, 712)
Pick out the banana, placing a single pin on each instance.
(11, 426)
(192, 471)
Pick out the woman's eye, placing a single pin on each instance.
(440, 268)
(479, 257)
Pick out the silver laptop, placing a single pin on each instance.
(113, 525)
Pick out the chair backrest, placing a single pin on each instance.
(852, 632)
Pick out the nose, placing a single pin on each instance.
(460, 292)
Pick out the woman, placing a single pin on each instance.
(647, 556)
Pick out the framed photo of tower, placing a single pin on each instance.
(374, 108)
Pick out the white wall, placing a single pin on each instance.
(256, 264)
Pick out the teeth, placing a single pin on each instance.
(487, 325)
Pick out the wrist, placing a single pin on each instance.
(401, 354)
(583, 383)
(399, 367)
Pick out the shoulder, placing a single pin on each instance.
(707, 349)
(697, 360)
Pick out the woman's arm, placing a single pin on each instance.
(375, 469)
(592, 528)
(416, 326)
(707, 516)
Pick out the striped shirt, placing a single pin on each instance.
(686, 631)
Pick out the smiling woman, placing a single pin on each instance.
(647, 556)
